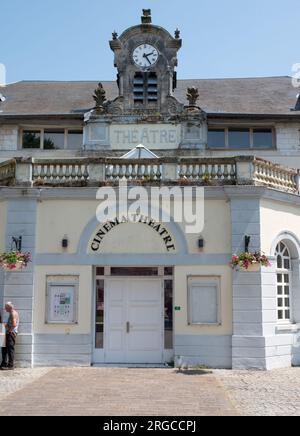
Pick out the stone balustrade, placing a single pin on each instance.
(143, 170)
(57, 173)
(242, 170)
(7, 172)
(220, 170)
(275, 176)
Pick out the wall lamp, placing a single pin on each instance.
(201, 243)
(65, 242)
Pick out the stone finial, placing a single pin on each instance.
(114, 35)
(177, 34)
(192, 95)
(297, 105)
(146, 18)
(99, 96)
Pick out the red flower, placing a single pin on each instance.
(245, 260)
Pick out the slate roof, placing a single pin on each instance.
(261, 96)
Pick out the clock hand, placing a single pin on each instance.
(146, 56)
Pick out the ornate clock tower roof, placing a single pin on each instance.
(146, 60)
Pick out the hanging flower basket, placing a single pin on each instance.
(14, 260)
(245, 261)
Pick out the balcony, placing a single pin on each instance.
(245, 170)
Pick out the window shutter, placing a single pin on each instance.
(204, 300)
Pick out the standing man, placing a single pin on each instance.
(11, 331)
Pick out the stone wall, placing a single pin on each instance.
(8, 138)
(17, 287)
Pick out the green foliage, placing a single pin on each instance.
(31, 140)
(14, 260)
(245, 260)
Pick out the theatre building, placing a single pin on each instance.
(151, 292)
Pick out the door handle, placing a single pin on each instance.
(128, 327)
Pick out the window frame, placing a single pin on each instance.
(251, 128)
(206, 280)
(284, 271)
(42, 130)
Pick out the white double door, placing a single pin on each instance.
(134, 321)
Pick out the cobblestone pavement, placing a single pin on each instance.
(256, 393)
(117, 391)
(156, 392)
(11, 382)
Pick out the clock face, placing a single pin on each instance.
(145, 55)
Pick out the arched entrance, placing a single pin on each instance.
(133, 316)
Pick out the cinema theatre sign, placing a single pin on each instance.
(150, 135)
(160, 230)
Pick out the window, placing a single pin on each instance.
(138, 88)
(131, 272)
(216, 138)
(283, 272)
(204, 300)
(152, 88)
(52, 139)
(168, 285)
(241, 138)
(99, 336)
(31, 139)
(74, 139)
(168, 271)
(145, 88)
(100, 271)
(262, 138)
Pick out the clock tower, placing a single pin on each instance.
(146, 59)
(145, 110)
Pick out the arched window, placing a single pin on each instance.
(284, 280)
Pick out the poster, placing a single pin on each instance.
(61, 303)
(2, 335)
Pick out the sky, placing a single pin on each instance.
(68, 39)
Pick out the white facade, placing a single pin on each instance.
(151, 293)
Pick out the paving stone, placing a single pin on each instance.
(119, 391)
(13, 381)
(263, 393)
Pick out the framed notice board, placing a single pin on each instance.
(62, 302)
